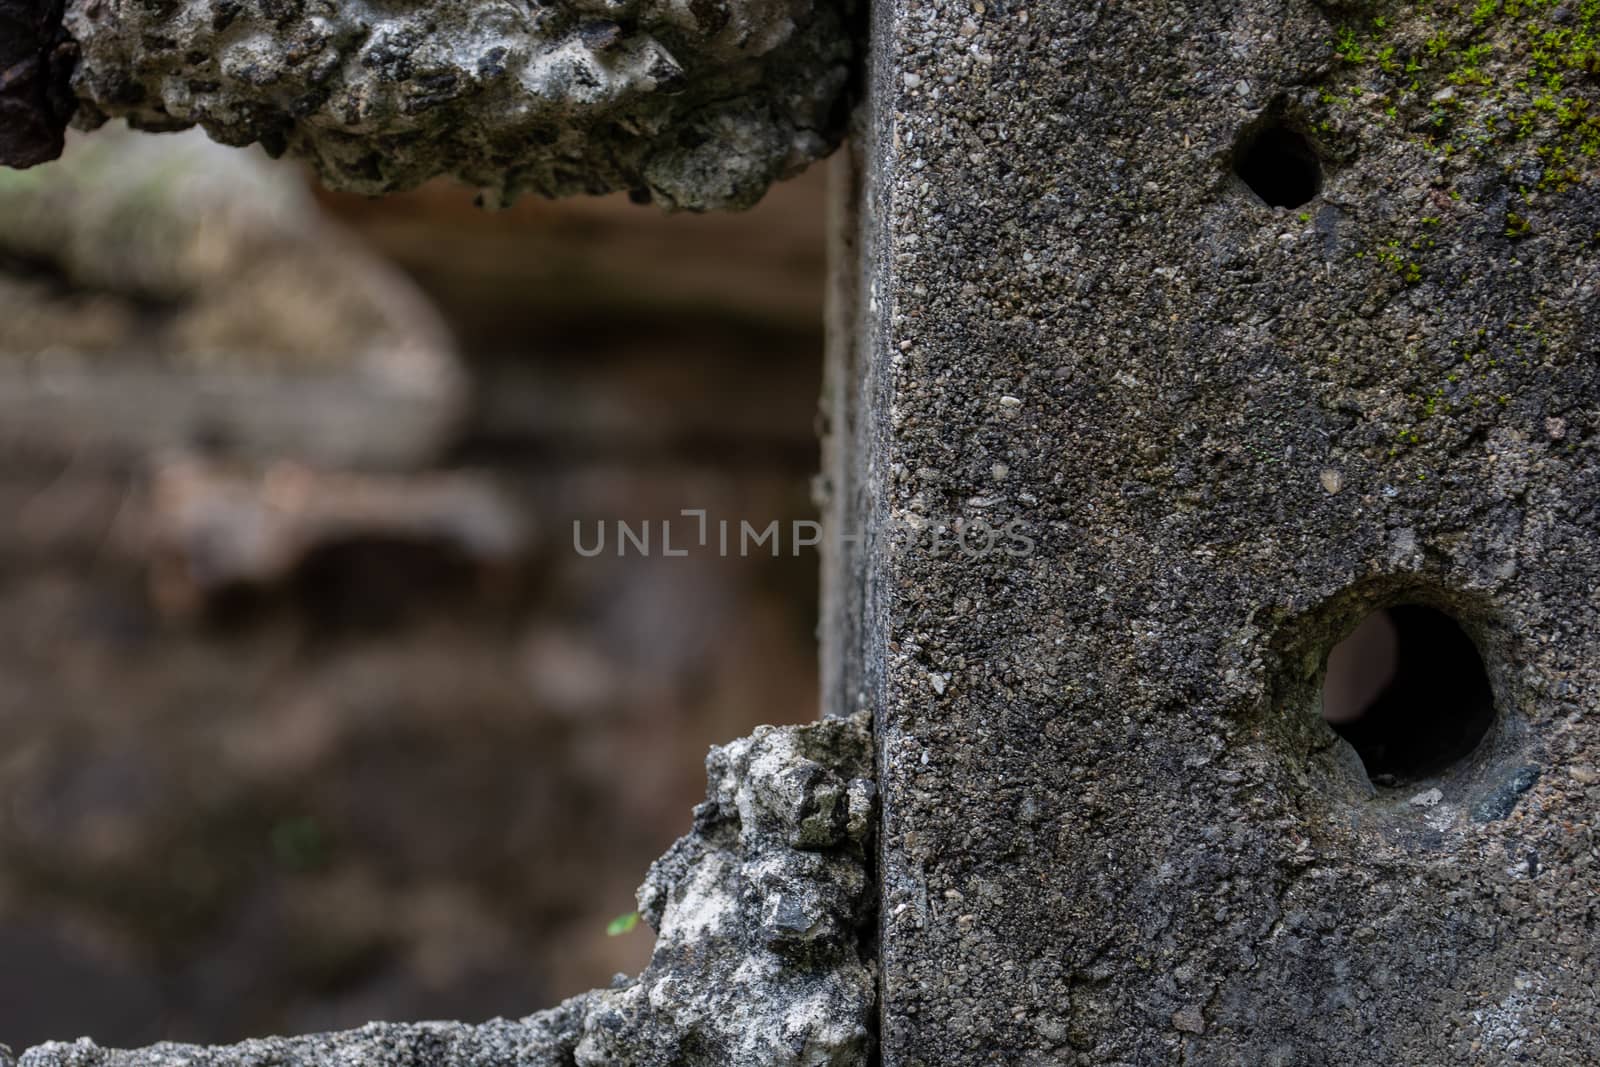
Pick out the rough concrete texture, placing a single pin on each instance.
(764, 915)
(543, 1040)
(157, 291)
(698, 104)
(1116, 830)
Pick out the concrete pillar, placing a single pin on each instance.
(1234, 323)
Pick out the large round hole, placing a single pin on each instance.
(1409, 691)
(1280, 166)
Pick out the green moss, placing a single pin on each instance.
(1348, 46)
(1392, 256)
(1476, 76)
(1510, 84)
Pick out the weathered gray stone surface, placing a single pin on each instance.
(764, 915)
(1116, 829)
(543, 1040)
(697, 105)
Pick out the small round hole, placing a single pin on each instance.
(1280, 166)
(1409, 691)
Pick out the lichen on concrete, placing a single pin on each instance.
(698, 104)
(764, 913)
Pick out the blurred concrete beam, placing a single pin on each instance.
(166, 294)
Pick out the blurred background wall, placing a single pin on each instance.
(310, 713)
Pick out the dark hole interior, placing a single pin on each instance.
(1280, 166)
(1409, 691)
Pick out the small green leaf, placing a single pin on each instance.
(300, 843)
(622, 924)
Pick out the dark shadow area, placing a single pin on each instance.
(372, 583)
(1280, 166)
(1409, 691)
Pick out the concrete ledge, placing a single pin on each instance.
(695, 106)
(543, 1040)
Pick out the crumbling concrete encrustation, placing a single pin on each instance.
(695, 105)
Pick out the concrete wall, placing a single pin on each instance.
(1117, 829)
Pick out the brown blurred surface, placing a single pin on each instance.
(396, 780)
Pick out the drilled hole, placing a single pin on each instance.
(1280, 166)
(1409, 691)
